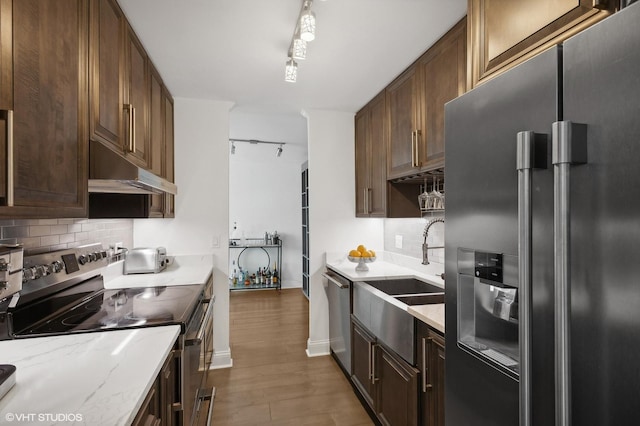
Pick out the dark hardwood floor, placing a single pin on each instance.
(272, 381)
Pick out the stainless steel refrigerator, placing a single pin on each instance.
(543, 237)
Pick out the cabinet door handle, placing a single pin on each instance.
(365, 201)
(413, 149)
(418, 133)
(424, 365)
(425, 386)
(373, 367)
(368, 200)
(127, 108)
(133, 128)
(131, 115)
(10, 183)
(370, 367)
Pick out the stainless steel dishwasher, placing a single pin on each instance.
(339, 295)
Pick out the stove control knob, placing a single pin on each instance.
(29, 274)
(92, 257)
(41, 271)
(98, 255)
(56, 266)
(83, 259)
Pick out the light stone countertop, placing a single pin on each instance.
(432, 315)
(102, 377)
(389, 266)
(183, 270)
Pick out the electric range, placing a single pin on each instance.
(63, 293)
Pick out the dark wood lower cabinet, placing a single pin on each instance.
(397, 384)
(387, 383)
(431, 358)
(362, 344)
(150, 413)
(161, 405)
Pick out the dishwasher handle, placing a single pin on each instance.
(335, 281)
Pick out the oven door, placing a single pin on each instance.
(194, 347)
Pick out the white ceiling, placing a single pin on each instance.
(235, 50)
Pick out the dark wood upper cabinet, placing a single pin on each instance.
(442, 78)
(168, 173)
(156, 133)
(415, 105)
(106, 40)
(6, 55)
(503, 33)
(46, 105)
(403, 112)
(371, 159)
(136, 96)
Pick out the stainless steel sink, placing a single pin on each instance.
(405, 286)
(381, 307)
(421, 299)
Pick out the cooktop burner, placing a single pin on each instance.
(115, 309)
(64, 293)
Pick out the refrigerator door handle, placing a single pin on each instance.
(531, 154)
(569, 142)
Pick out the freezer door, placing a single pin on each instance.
(481, 131)
(602, 89)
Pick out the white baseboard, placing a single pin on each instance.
(221, 359)
(318, 348)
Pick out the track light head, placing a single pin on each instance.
(233, 148)
(279, 151)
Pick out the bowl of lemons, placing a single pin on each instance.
(362, 256)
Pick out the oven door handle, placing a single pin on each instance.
(206, 395)
(203, 326)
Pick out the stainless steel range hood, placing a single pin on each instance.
(112, 173)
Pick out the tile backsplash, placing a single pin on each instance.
(411, 231)
(44, 235)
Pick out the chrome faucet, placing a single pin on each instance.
(425, 246)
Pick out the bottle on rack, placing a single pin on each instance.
(235, 277)
(268, 279)
(259, 276)
(253, 278)
(275, 277)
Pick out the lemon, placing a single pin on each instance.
(362, 248)
(366, 253)
(372, 253)
(355, 253)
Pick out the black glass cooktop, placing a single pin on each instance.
(100, 309)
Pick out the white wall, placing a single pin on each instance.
(202, 203)
(265, 190)
(332, 221)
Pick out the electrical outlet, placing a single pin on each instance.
(215, 241)
(398, 241)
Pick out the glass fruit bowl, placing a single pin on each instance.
(362, 262)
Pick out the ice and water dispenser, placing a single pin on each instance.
(488, 308)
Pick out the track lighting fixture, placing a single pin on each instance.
(299, 49)
(304, 31)
(307, 23)
(291, 71)
(256, 142)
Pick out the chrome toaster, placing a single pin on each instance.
(145, 260)
(10, 269)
